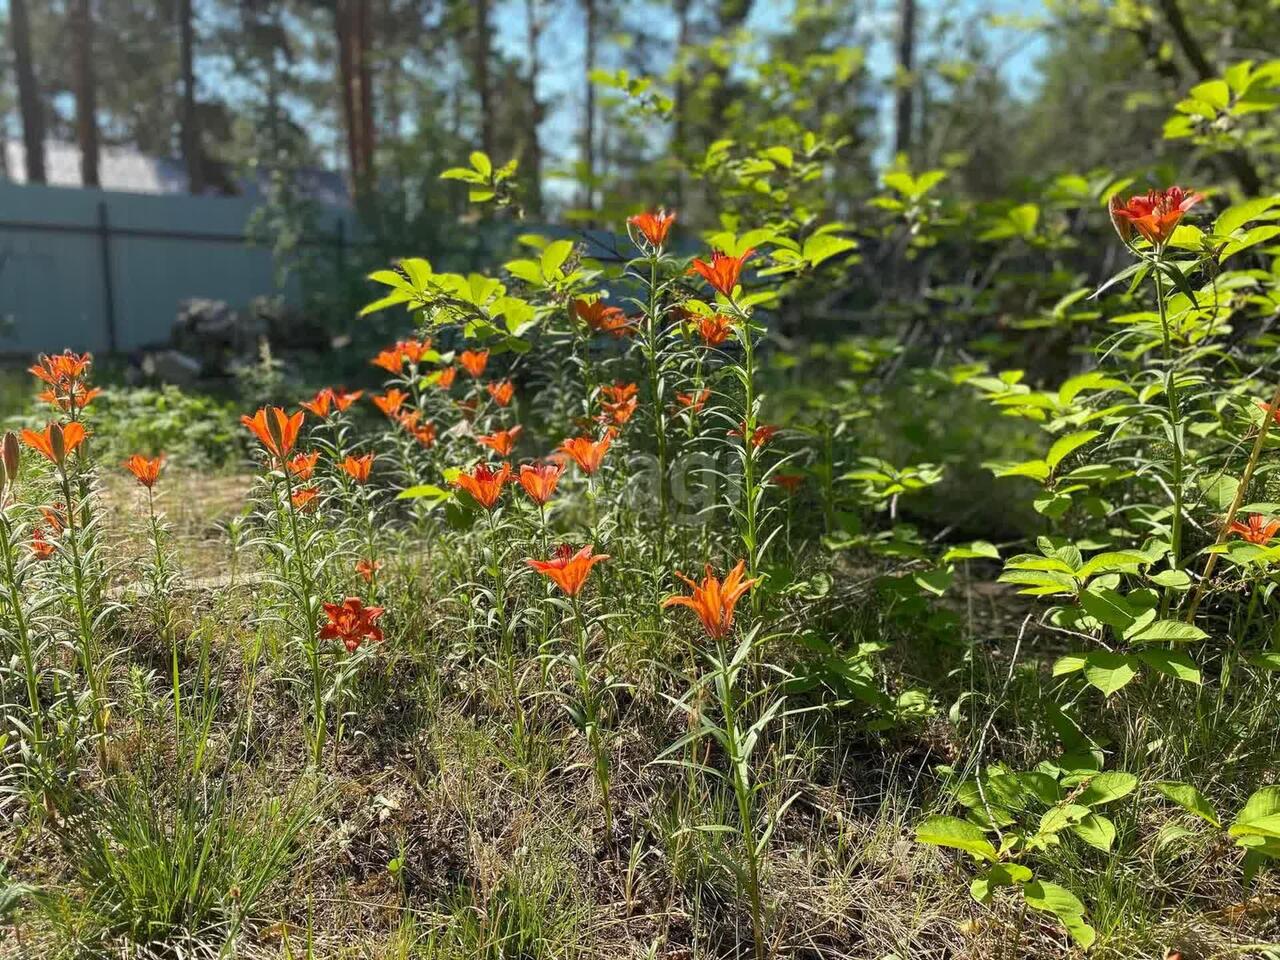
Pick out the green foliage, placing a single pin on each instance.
(190, 428)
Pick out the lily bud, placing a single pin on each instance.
(57, 444)
(1123, 227)
(9, 455)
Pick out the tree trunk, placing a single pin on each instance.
(28, 92)
(86, 91)
(681, 132)
(364, 90)
(904, 105)
(532, 146)
(482, 53)
(589, 120)
(355, 82)
(188, 121)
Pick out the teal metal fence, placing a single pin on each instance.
(104, 271)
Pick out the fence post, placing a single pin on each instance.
(108, 285)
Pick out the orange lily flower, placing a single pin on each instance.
(1257, 529)
(474, 362)
(501, 442)
(618, 391)
(619, 413)
(654, 227)
(358, 468)
(343, 398)
(367, 568)
(146, 471)
(597, 315)
(444, 378)
(761, 435)
(569, 570)
(723, 270)
(618, 325)
(1265, 405)
(57, 442)
(412, 350)
(694, 401)
(484, 483)
(61, 369)
(712, 600)
(391, 361)
(390, 402)
(502, 392)
(320, 404)
(790, 482)
(277, 437)
(715, 329)
(40, 545)
(1155, 215)
(352, 623)
(304, 499)
(587, 453)
(303, 465)
(540, 479)
(425, 434)
(69, 401)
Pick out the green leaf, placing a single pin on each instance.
(1189, 798)
(978, 550)
(1171, 663)
(1106, 787)
(1062, 903)
(1063, 446)
(1109, 607)
(1096, 830)
(424, 490)
(998, 875)
(481, 162)
(957, 833)
(1260, 815)
(554, 255)
(1109, 672)
(825, 246)
(1069, 663)
(390, 300)
(1219, 493)
(935, 581)
(1168, 631)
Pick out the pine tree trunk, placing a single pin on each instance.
(364, 90)
(187, 119)
(904, 106)
(589, 120)
(681, 134)
(86, 91)
(532, 146)
(483, 49)
(28, 92)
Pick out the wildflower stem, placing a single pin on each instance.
(741, 780)
(1175, 427)
(655, 395)
(591, 721)
(24, 634)
(310, 642)
(162, 607)
(88, 661)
